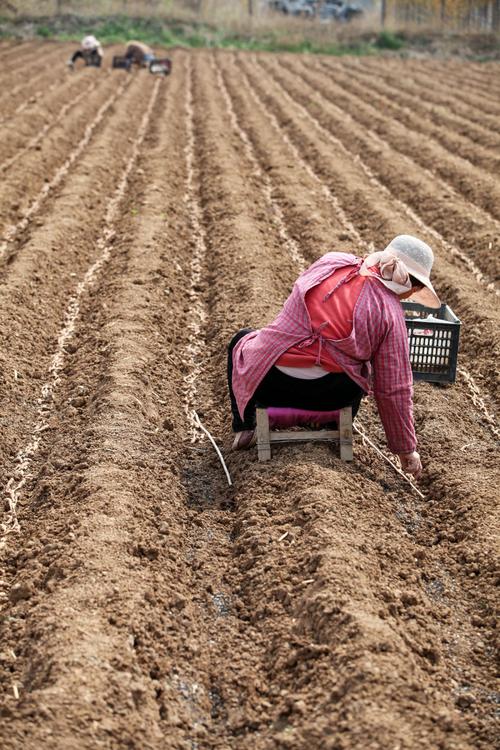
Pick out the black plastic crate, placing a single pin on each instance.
(433, 337)
(93, 62)
(121, 62)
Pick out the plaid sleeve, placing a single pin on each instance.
(393, 384)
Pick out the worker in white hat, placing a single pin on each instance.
(90, 52)
(340, 335)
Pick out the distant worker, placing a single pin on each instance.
(340, 335)
(90, 52)
(139, 53)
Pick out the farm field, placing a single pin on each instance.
(144, 602)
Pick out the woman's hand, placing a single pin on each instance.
(411, 463)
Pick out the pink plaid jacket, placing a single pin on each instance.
(375, 354)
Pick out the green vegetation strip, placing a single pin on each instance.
(166, 33)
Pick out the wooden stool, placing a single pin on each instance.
(265, 436)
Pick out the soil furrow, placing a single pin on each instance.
(434, 179)
(416, 115)
(458, 81)
(285, 84)
(417, 100)
(22, 204)
(440, 96)
(42, 276)
(13, 148)
(16, 105)
(23, 91)
(314, 217)
(218, 697)
(408, 93)
(12, 48)
(25, 103)
(290, 244)
(485, 76)
(77, 637)
(487, 109)
(23, 56)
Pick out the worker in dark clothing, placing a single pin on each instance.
(139, 53)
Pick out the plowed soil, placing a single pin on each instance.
(145, 603)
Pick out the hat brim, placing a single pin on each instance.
(425, 296)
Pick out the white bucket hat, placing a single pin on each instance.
(89, 42)
(404, 256)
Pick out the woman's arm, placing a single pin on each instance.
(393, 386)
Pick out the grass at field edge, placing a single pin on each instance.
(171, 33)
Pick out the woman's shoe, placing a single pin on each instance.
(243, 440)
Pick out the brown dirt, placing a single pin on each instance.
(456, 135)
(439, 110)
(25, 71)
(145, 603)
(454, 197)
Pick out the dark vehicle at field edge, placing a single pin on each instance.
(305, 8)
(329, 10)
(338, 10)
